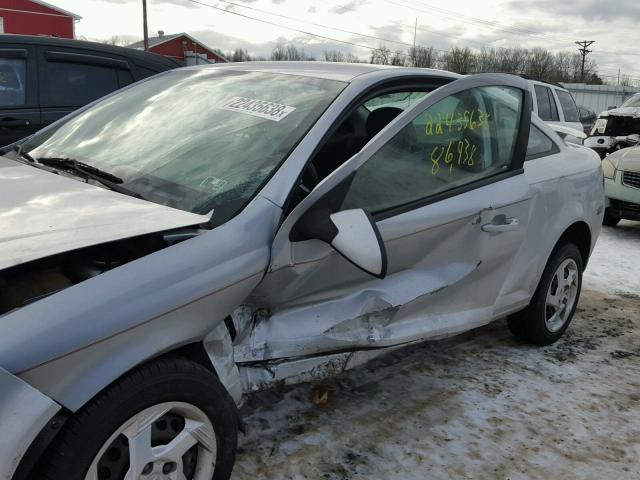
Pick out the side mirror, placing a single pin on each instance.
(352, 233)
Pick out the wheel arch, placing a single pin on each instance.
(580, 235)
(194, 351)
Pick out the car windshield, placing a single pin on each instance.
(634, 101)
(193, 139)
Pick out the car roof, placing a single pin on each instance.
(557, 86)
(134, 55)
(345, 72)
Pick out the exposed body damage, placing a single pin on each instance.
(55, 214)
(181, 292)
(261, 303)
(616, 129)
(303, 333)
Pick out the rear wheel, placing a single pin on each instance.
(170, 420)
(552, 307)
(610, 219)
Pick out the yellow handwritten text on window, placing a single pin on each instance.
(453, 153)
(456, 121)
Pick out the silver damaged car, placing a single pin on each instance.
(214, 231)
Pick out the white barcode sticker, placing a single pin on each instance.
(258, 108)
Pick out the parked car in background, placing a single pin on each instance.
(165, 254)
(616, 128)
(43, 79)
(587, 118)
(554, 104)
(622, 185)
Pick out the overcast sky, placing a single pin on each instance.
(553, 24)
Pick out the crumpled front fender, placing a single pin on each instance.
(24, 412)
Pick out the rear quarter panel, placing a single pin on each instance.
(567, 188)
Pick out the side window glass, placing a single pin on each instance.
(463, 138)
(539, 144)
(544, 102)
(13, 82)
(568, 106)
(76, 84)
(401, 100)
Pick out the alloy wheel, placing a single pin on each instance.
(561, 295)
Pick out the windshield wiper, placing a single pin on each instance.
(23, 154)
(107, 179)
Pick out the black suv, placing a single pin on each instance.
(43, 79)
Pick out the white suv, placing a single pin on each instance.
(555, 105)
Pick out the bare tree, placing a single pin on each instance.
(486, 60)
(540, 63)
(398, 58)
(279, 53)
(333, 56)
(460, 60)
(512, 60)
(289, 53)
(423, 57)
(381, 55)
(293, 53)
(239, 55)
(626, 81)
(562, 68)
(351, 58)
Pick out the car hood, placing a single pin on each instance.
(626, 159)
(621, 112)
(42, 214)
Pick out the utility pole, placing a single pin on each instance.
(584, 51)
(415, 28)
(145, 31)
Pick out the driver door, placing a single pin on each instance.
(444, 184)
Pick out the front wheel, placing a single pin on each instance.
(552, 307)
(170, 419)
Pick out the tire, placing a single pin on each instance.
(190, 399)
(610, 218)
(538, 323)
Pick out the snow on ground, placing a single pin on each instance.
(480, 405)
(615, 264)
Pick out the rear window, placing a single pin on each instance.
(547, 109)
(568, 106)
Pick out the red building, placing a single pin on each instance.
(35, 17)
(181, 46)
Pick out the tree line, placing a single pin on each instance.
(537, 63)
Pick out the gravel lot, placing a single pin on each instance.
(480, 405)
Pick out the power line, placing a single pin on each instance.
(197, 2)
(282, 26)
(414, 5)
(325, 37)
(255, 9)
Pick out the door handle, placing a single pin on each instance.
(12, 122)
(501, 224)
